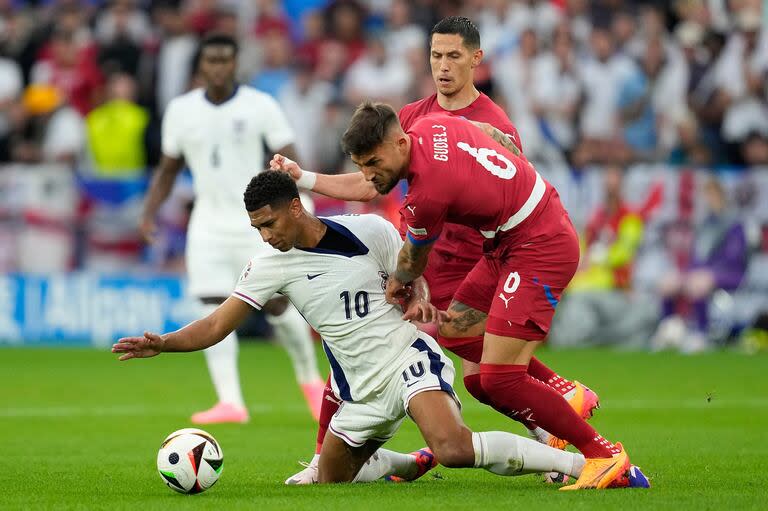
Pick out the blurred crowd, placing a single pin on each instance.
(651, 118)
(602, 81)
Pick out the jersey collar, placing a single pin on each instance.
(361, 249)
(234, 93)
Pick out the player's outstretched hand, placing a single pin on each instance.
(422, 311)
(280, 162)
(139, 347)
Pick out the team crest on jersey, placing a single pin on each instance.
(239, 126)
(384, 276)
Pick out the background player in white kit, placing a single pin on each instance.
(219, 132)
(334, 270)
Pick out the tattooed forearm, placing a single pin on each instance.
(504, 140)
(411, 261)
(463, 319)
(498, 135)
(468, 319)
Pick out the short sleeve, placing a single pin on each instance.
(278, 132)
(405, 115)
(65, 135)
(424, 217)
(387, 244)
(171, 132)
(259, 281)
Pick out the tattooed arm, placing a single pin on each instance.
(463, 321)
(411, 262)
(498, 135)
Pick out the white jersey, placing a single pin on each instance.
(342, 296)
(223, 146)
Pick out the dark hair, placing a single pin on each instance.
(269, 188)
(458, 25)
(217, 39)
(368, 127)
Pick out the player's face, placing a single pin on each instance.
(452, 63)
(384, 165)
(217, 65)
(277, 226)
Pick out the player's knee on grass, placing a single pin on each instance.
(437, 415)
(453, 450)
(340, 462)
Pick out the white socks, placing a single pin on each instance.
(385, 463)
(222, 366)
(292, 333)
(510, 455)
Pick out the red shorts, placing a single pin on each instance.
(519, 284)
(444, 278)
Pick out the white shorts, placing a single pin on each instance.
(422, 367)
(215, 262)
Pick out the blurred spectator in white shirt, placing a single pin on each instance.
(602, 75)
(304, 100)
(52, 131)
(174, 60)
(378, 76)
(557, 92)
(122, 31)
(276, 70)
(624, 30)
(514, 77)
(497, 35)
(741, 79)
(540, 15)
(122, 18)
(403, 36)
(577, 14)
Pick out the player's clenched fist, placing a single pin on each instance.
(280, 162)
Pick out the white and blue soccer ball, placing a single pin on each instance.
(190, 460)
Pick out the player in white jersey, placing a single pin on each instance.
(335, 270)
(219, 132)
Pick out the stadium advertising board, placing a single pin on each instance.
(89, 309)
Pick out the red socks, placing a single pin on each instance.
(543, 373)
(327, 409)
(475, 388)
(539, 371)
(522, 397)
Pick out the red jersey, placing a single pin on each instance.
(481, 109)
(458, 174)
(459, 245)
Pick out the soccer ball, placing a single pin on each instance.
(190, 460)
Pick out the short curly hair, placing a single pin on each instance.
(269, 188)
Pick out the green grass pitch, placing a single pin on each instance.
(81, 431)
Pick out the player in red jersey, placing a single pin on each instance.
(456, 173)
(454, 54)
